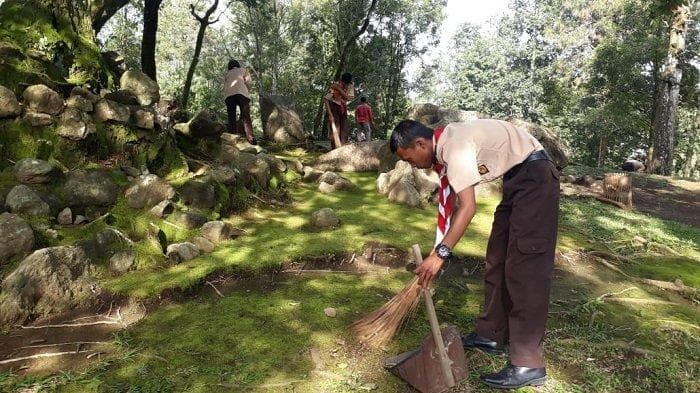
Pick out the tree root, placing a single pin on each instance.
(40, 355)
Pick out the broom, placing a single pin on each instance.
(378, 327)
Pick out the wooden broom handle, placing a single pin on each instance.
(445, 361)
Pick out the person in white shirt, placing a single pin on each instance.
(237, 96)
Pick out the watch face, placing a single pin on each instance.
(443, 251)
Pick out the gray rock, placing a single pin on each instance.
(49, 280)
(224, 175)
(24, 200)
(147, 191)
(162, 209)
(33, 171)
(218, 231)
(75, 125)
(311, 174)
(240, 143)
(331, 182)
(9, 105)
(198, 194)
(254, 168)
(294, 164)
(324, 218)
(144, 119)
(36, 119)
(17, 236)
(131, 171)
(281, 123)
(203, 244)
(106, 110)
(144, 88)
(122, 261)
(79, 219)
(42, 99)
(203, 124)
(124, 97)
(104, 243)
(357, 157)
(228, 153)
(188, 219)
(276, 165)
(84, 93)
(65, 217)
(92, 187)
(180, 252)
(404, 191)
(80, 103)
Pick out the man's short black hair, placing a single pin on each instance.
(363, 99)
(346, 77)
(233, 64)
(406, 132)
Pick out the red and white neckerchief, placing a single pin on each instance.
(445, 196)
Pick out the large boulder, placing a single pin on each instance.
(144, 88)
(198, 194)
(36, 119)
(356, 157)
(124, 97)
(254, 168)
(17, 236)
(42, 99)
(9, 106)
(23, 200)
(75, 125)
(549, 140)
(80, 103)
(407, 185)
(90, 188)
(49, 280)
(148, 191)
(281, 124)
(108, 110)
(33, 171)
(432, 115)
(143, 118)
(203, 124)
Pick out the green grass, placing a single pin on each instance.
(264, 331)
(275, 236)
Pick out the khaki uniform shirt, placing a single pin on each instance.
(482, 150)
(235, 82)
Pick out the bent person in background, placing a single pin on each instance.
(520, 250)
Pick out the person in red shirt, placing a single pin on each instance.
(365, 118)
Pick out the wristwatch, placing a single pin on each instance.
(443, 251)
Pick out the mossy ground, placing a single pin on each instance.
(265, 330)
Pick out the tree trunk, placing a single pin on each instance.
(203, 23)
(102, 11)
(665, 112)
(148, 41)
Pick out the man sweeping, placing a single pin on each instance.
(520, 251)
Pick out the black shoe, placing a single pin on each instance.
(473, 340)
(253, 141)
(513, 377)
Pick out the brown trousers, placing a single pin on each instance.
(519, 261)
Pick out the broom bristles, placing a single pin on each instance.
(378, 327)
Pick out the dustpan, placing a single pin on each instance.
(439, 363)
